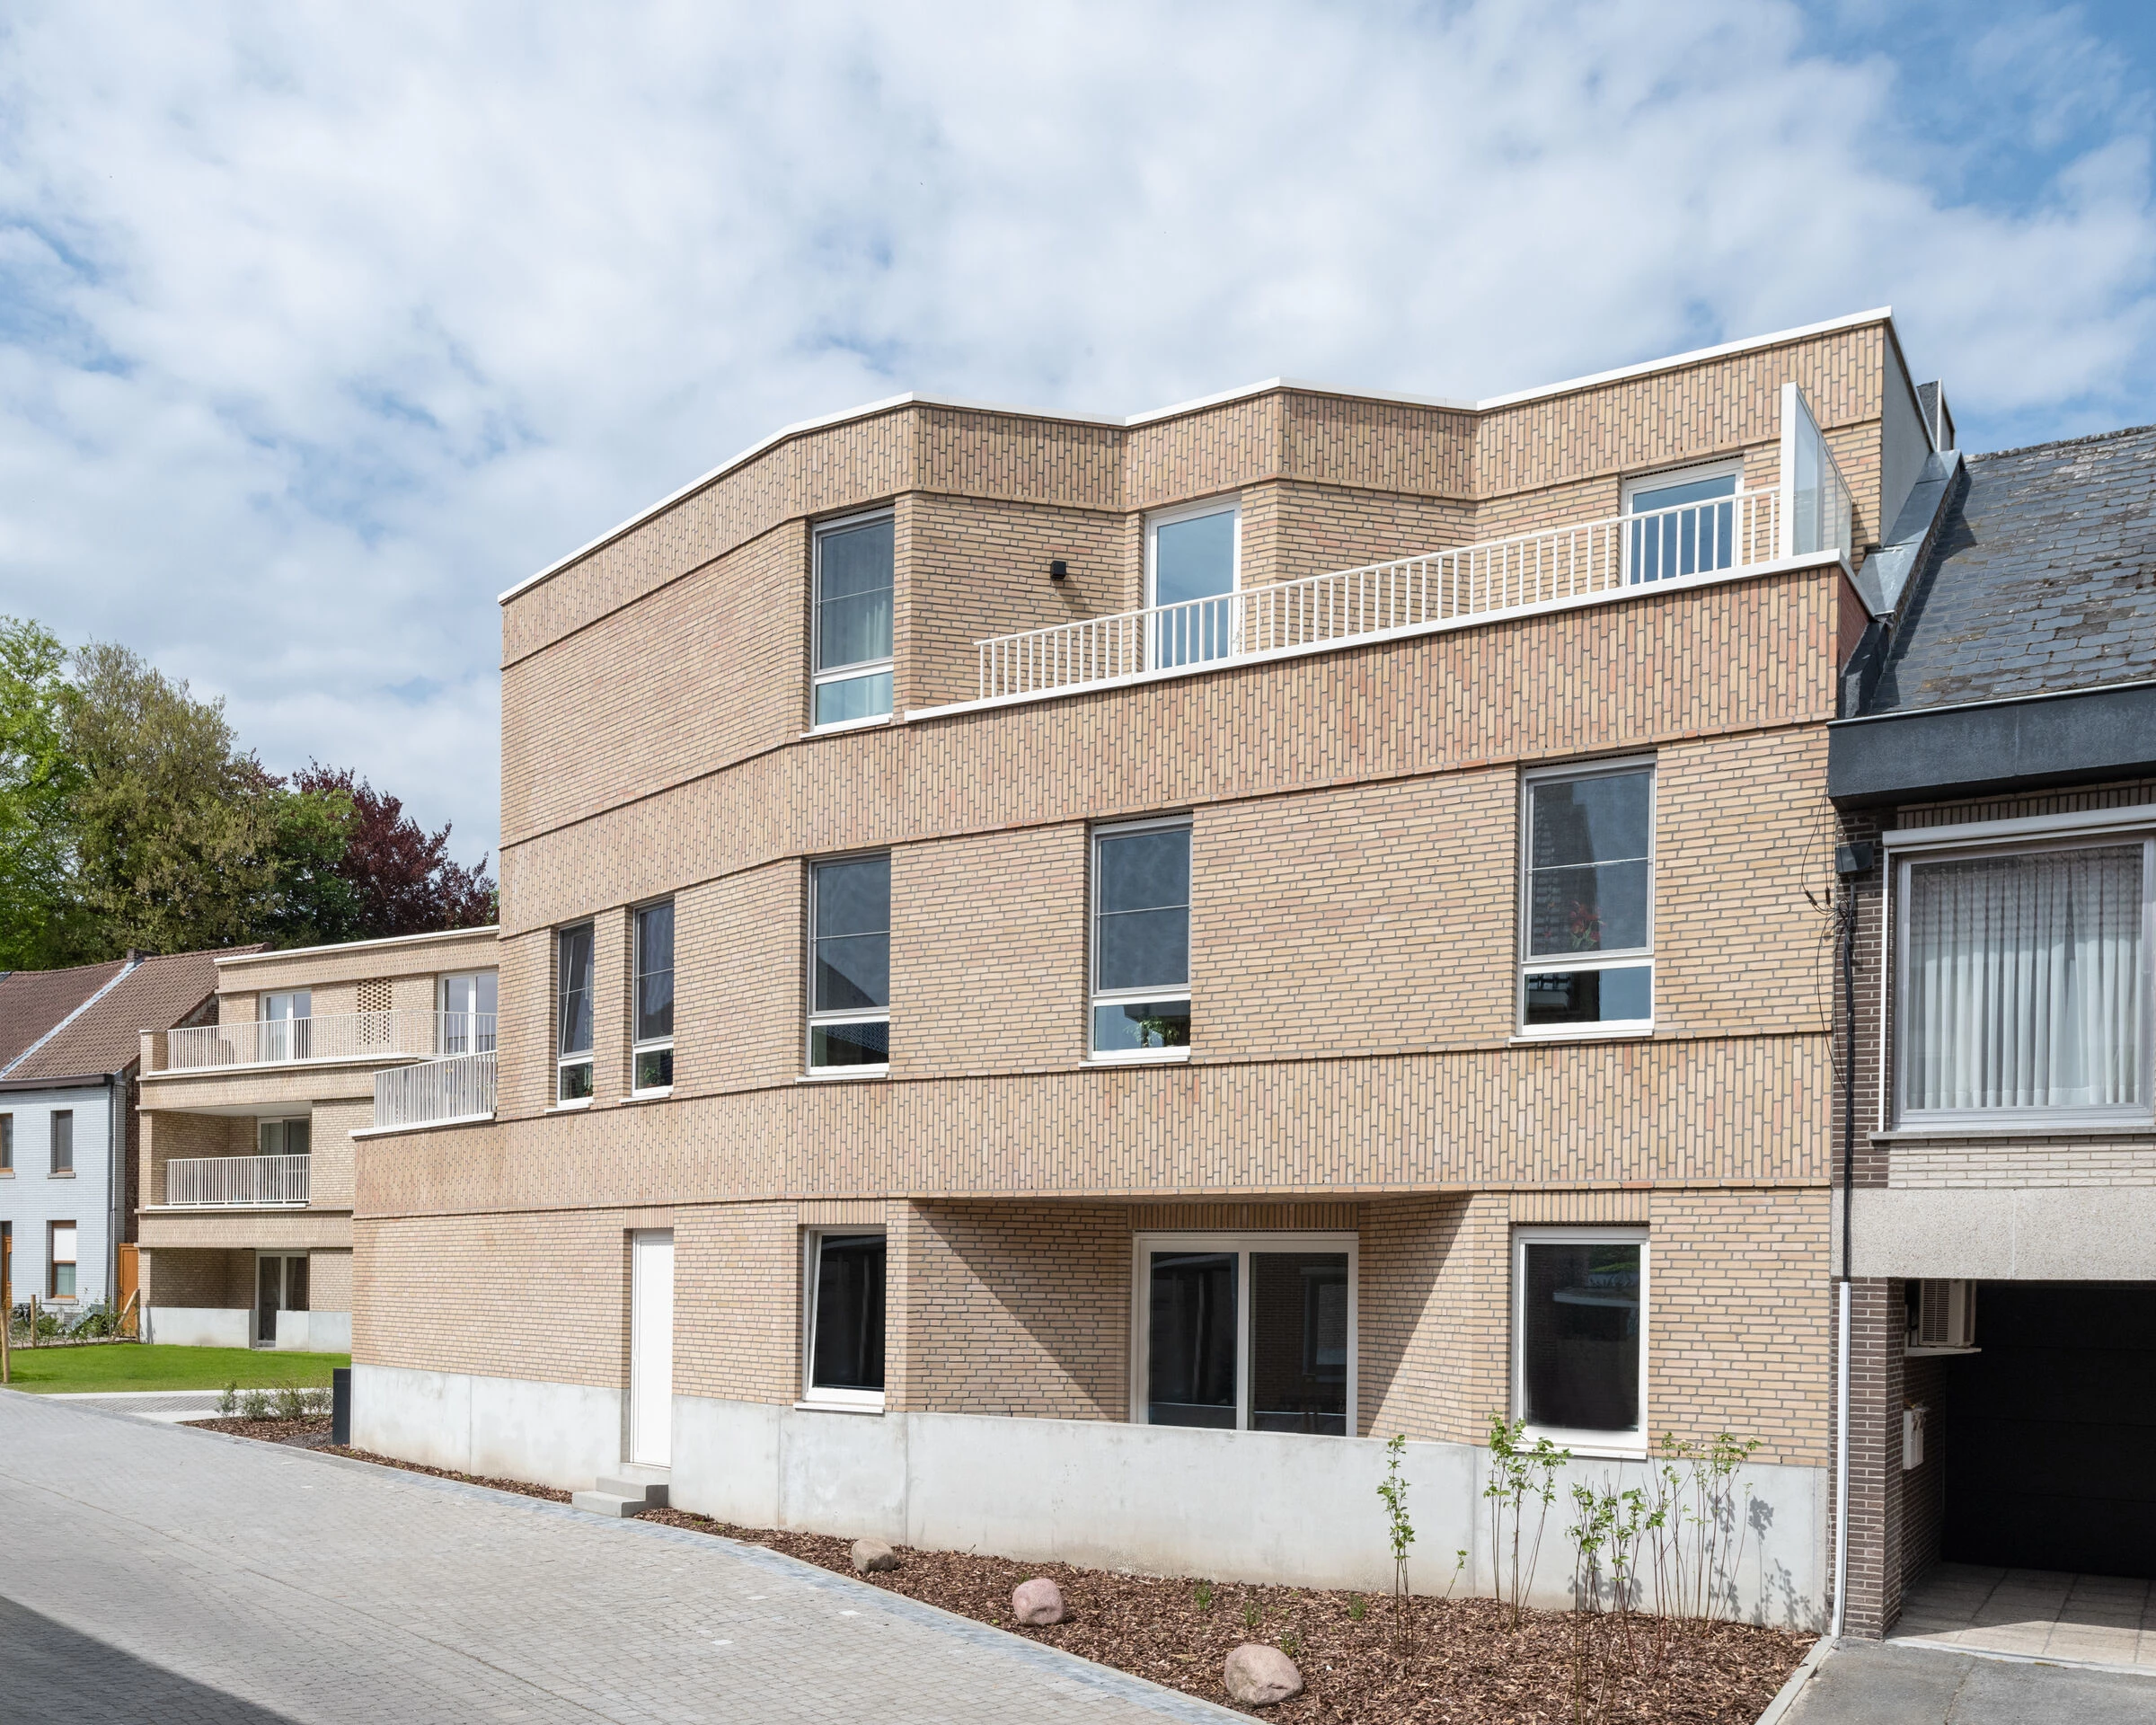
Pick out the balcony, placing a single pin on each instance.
(407, 1035)
(436, 1092)
(1715, 538)
(235, 1182)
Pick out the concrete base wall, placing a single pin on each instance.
(201, 1326)
(503, 1427)
(315, 1332)
(1231, 1506)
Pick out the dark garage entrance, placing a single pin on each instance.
(2050, 1432)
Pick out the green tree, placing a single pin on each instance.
(39, 923)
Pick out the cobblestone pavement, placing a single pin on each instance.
(149, 1573)
(172, 1406)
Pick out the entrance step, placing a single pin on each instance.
(629, 1490)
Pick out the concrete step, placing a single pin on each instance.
(629, 1490)
(610, 1504)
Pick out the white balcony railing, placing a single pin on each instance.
(346, 1036)
(459, 1088)
(236, 1181)
(1480, 580)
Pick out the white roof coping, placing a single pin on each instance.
(1884, 313)
(357, 946)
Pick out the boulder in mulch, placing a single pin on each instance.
(873, 1554)
(1258, 1675)
(1037, 1603)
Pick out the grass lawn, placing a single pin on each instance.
(132, 1366)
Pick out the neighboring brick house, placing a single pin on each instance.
(69, 1064)
(1999, 764)
(1035, 1017)
(247, 1123)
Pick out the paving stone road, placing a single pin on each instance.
(150, 1573)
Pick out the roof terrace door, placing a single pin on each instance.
(1685, 523)
(286, 1024)
(1192, 558)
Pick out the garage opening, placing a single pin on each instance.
(2050, 1430)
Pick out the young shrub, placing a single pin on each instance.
(1400, 1531)
(1517, 1473)
(229, 1403)
(257, 1404)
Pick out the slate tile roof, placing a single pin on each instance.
(2043, 579)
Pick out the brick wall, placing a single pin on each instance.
(329, 1281)
(736, 1303)
(1432, 1316)
(218, 1279)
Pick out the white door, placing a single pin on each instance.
(651, 1347)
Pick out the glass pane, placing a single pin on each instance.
(1580, 1341)
(850, 1045)
(1588, 883)
(1190, 1354)
(63, 1282)
(63, 1143)
(1689, 490)
(848, 1353)
(296, 1136)
(854, 594)
(856, 697)
(296, 1284)
(853, 934)
(574, 1083)
(1141, 937)
(269, 1292)
(2028, 982)
(1299, 1341)
(1141, 1024)
(1193, 559)
(655, 1069)
(574, 981)
(1620, 995)
(270, 1137)
(654, 972)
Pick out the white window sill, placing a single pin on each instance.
(1993, 1127)
(838, 727)
(61, 1173)
(1589, 1445)
(1140, 1058)
(840, 1074)
(659, 1095)
(873, 1410)
(1621, 1030)
(577, 1107)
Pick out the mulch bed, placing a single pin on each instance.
(1468, 1665)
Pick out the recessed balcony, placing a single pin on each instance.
(393, 1035)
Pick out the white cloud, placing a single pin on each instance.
(319, 326)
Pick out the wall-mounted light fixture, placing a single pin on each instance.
(1059, 570)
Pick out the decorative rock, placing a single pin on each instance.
(870, 1554)
(1037, 1603)
(1258, 1675)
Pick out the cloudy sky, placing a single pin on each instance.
(320, 326)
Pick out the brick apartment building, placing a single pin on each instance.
(1061, 977)
(1998, 762)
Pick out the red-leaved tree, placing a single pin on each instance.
(401, 879)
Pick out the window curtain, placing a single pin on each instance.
(2026, 982)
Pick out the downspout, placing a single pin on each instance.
(115, 1194)
(1849, 1164)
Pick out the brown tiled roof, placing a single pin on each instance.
(107, 1035)
(32, 1002)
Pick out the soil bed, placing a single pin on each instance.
(1468, 1665)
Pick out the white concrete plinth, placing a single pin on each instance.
(199, 1326)
(500, 1427)
(315, 1332)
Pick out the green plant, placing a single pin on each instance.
(1517, 1473)
(1358, 1608)
(1291, 1644)
(1203, 1594)
(258, 1404)
(230, 1401)
(1400, 1531)
(1250, 1613)
(1459, 1569)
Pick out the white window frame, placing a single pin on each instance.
(288, 1043)
(838, 1400)
(53, 1261)
(819, 673)
(1582, 1443)
(1155, 519)
(1242, 1244)
(813, 1020)
(586, 1058)
(441, 1001)
(658, 1044)
(2025, 838)
(1629, 957)
(307, 1121)
(1690, 474)
(1096, 996)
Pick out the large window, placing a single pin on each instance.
(1586, 901)
(1579, 1334)
(653, 1052)
(2024, 983)
(851, 679)
(63, 1141)
(59, 1259)
(844, 1351)
(1686, 523)
(850, 964)
(572, 1014)
(1191, 560)
(284, 1137)
(1246, 1332)
(469, 1006)
(285, 1023)
(1140, 995)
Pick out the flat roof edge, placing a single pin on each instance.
(357, 946)
(890, 403)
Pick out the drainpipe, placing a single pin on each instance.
(1850, 861)
(116, 1192)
